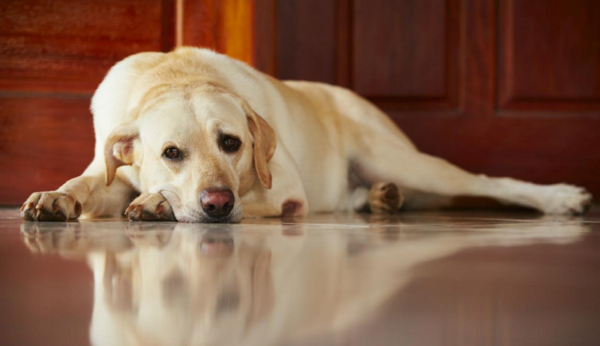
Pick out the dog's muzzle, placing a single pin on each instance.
(217, 204)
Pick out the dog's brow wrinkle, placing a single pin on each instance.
(152, 97)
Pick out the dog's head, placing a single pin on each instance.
(199, 145)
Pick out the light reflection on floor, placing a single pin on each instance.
(463, 278)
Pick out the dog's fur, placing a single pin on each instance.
(305, 146)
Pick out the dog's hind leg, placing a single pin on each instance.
(381, 198)
(388, 158)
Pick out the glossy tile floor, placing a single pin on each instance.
(461, 278)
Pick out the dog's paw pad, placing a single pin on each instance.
(566, 199)
(51, 206)
(150, 207)
(384, 198)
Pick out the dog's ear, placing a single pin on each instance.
(119, 150)
(264, 144)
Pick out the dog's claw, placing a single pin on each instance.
(138, 211)
(128, 210)
(26, 207)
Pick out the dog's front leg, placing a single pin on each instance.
(85, 194)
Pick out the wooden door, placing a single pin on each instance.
(501, 87)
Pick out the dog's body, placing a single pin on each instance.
(228, 133)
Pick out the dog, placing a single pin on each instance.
(201, 137)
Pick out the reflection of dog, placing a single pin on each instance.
(200, 135)
(198, 286)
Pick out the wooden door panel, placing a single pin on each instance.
(400, 48)
(43, 143)
(550, 55)
(405, 54)
(306, 40)
(69, 45)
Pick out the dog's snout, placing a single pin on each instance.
(217, 203)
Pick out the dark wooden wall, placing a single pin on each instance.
(506, 88)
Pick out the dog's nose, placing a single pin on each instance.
(217, 203)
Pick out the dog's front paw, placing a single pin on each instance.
(566, 199)
(384, 198)
(150, 207)
(51, 206)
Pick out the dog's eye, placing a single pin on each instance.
(230, 144)
(172, 154)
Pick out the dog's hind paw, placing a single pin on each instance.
(566, 199)
(150, 207)
(384, 198)
(51, 206)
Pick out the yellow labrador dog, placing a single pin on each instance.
(206, 138)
